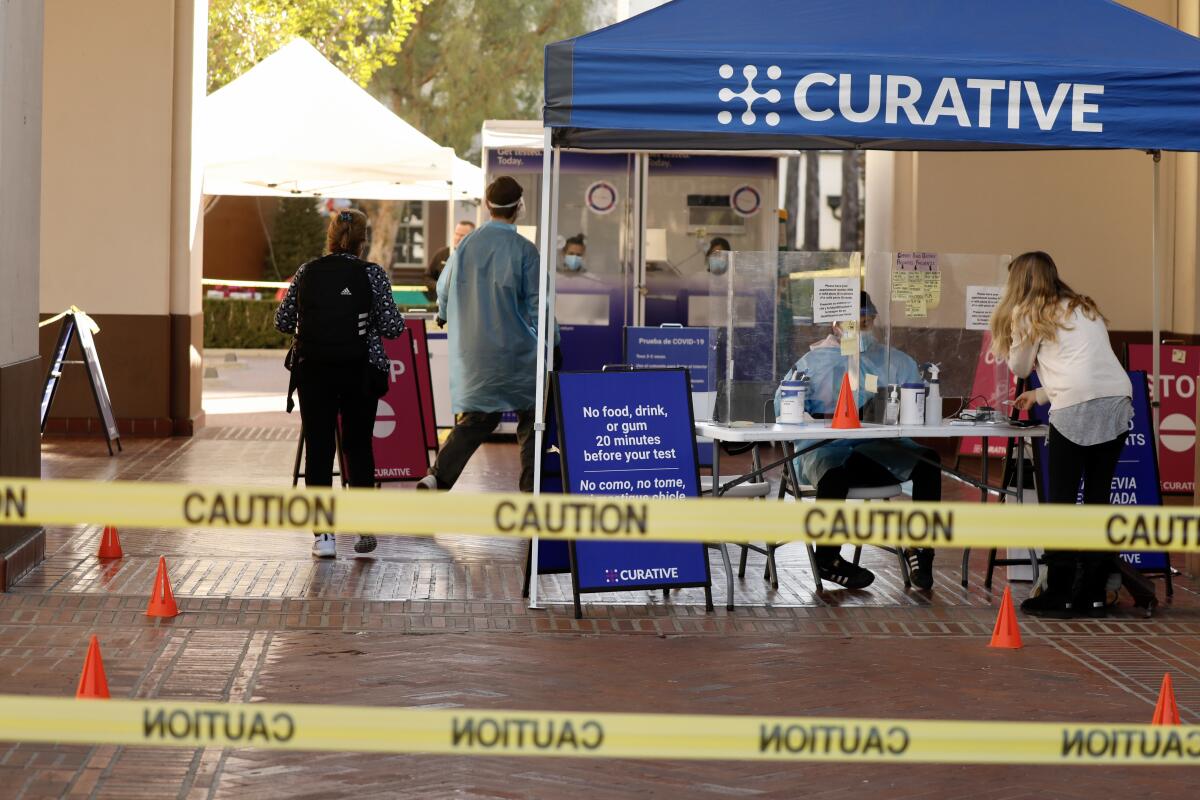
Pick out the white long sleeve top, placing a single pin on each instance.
(1076, 366)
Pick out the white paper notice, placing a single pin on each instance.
(981, 301)
(835, 299)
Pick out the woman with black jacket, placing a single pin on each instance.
(338, 307)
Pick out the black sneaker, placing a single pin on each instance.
(365, 544)
(920, 567)
(843, 573)
(1047, 604)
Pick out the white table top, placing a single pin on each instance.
(820, 429)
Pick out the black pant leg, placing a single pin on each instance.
(358, 431)
(471, 428)
(927, 478)
(835, 484)
(525, 442)
(318, 411)
(1067, 461)
(1099, 468)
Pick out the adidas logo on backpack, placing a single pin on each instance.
(346, 291)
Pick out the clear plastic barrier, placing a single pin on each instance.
(937, 311)
(785, 308)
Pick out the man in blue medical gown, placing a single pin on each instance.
(488, 295)
(843, 464)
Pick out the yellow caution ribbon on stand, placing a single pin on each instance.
(598, 517)
(175, 723)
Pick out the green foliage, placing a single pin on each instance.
(466, 61)
(298, 236)
(242, 324)
(358, 36)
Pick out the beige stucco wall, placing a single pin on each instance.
(20, 144)
(1091, 210)
(122, 224)
(107, 155)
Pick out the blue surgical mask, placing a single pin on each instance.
(573, 262)
(718, 263)
(866, 340)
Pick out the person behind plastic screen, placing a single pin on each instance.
(1043, 323)
(338, 307)
(488, 294)
(433, 270)
(574, 251)
(843, 464)
(716, 258)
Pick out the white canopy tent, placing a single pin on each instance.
(294, 125)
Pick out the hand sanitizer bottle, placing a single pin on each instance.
(891, 411)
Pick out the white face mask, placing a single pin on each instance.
(718, 263)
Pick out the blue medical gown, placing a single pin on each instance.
(488, 295)
(825, 366)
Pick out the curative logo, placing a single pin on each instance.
(610, 576)
(749, 95)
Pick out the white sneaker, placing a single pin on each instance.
(324, 546)
(428, 482)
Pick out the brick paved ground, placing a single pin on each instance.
(440, 623)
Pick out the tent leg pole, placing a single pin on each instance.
(450, 224)
(1156, 355)
(539, 400)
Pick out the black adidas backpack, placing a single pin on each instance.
(333, 305)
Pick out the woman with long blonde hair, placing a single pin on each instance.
(1043, 323)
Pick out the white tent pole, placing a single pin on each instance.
(1157, 326)
(539, 396)
(450, 224)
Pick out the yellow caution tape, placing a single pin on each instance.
(79, 313)
(165, 505)
(587, 735)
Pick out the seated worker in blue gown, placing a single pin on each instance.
(841, 465)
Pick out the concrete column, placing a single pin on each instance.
(20, 184)
(121, 232)
(187, 217)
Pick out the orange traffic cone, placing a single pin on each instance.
(1165, 711)
(162, 602)
(1006, 634)
(845, 415)
(110, 543)
(92, 682)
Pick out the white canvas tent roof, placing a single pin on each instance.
(295, 125)
(467, 185)
(514, 133)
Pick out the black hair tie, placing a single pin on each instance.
(346, 216)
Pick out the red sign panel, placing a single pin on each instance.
(400, 448)
(988, 390)
(424, 378)
(1176, 393)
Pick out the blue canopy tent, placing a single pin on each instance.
(870, 74)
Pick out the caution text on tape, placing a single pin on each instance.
(586, 735)
(163, 505)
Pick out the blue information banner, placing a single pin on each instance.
(1136, 482)
(630, 434)
(694, 349)
(658, 348)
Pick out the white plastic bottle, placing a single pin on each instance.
(933, 397)
(891, 412)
